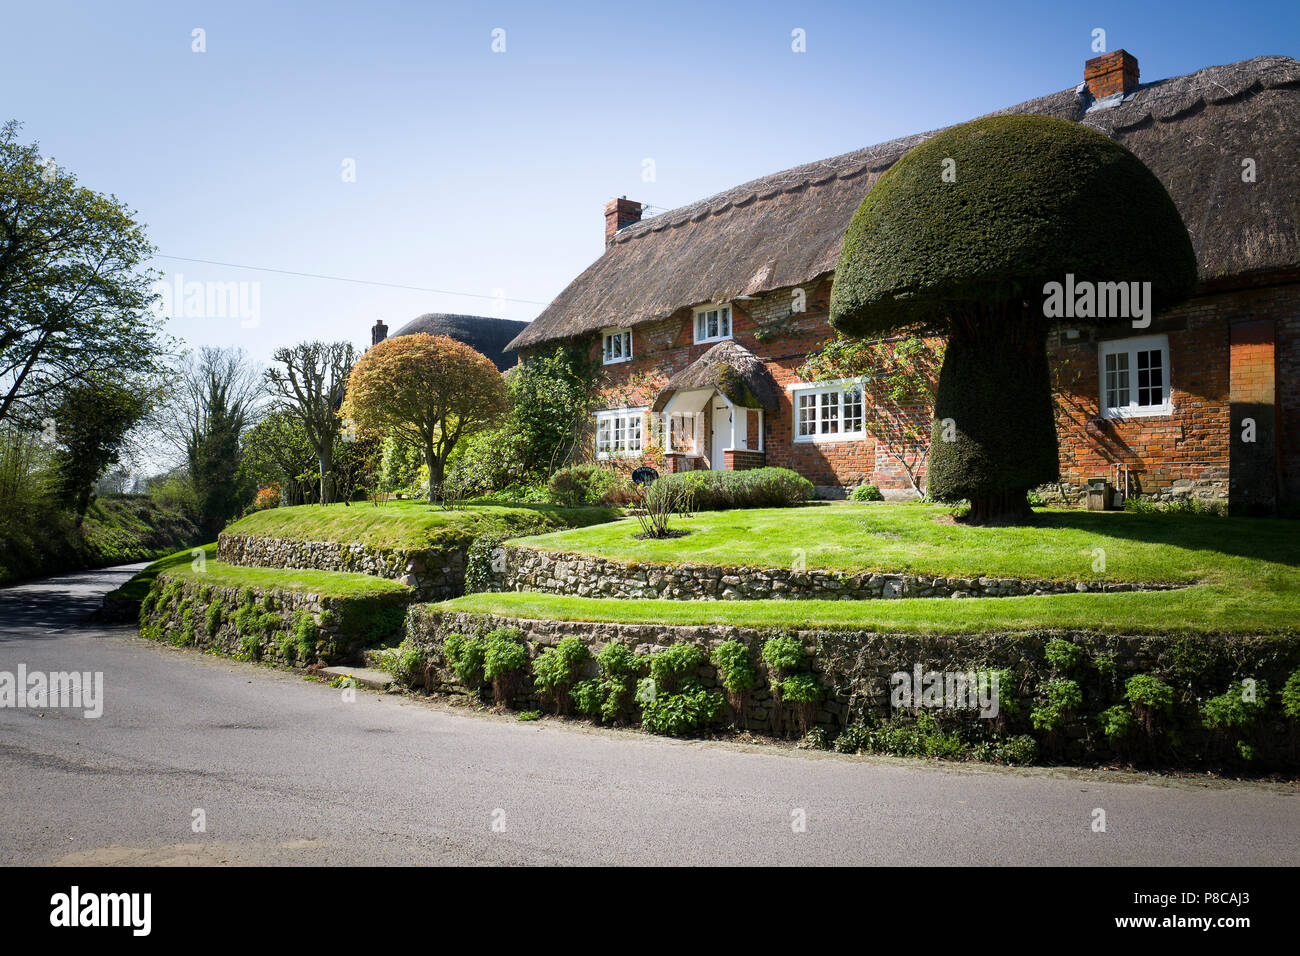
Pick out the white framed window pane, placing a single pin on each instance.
(807, 413)
(1117, 380)
(853, 409)
(830, 413)
(1150, 378)
(602, 435)
(724, 323)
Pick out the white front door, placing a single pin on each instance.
(721, 433)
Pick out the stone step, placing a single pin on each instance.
(365, 676)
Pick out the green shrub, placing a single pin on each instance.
(405, 662)
(609, 697)
(1117, 723)
(756, 488)
(304, 634)
(867, 493)
(816, 739)
(505, 659)
(587, 485)
(737, 675)
(1064, 656)
(287, 646)
(557, 669)
(801, 689)
(250, 648)
(783, 655)
(212, 619)
(1231, 711)
(1017, 751)
(735, 666)
(1061, 699)
(247, 596)
(466, 656)
(1143, 690)
(1291, 696)
(672, 665)
(682, 714)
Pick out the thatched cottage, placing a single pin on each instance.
(692, 312)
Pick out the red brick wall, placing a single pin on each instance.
(1188, 450)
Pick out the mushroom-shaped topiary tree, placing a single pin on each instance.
(962, 237)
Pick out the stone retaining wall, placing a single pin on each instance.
(854, 669)
(434, 574)
(177, 609)
(526, 569)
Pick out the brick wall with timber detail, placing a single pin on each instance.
(1233, 355)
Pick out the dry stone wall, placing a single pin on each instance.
(527, 569)
(293, 628)
(854, 669)
(434, 574)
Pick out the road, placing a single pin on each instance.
(286, 771)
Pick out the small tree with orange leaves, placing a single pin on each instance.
(429, 389)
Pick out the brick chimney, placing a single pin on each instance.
(1111, 73)
(379, 332)
(619, 213)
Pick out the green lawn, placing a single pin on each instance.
(1244, 572)
(1195, 610)
(1060, 546)
(218, 574)
(411, 524)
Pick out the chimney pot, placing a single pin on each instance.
(1111, 73)
(619, 213)
(379, 332)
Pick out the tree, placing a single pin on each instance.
(310, 386)
(963, 236)
(74, 302)
(276, 451)
(552, 395)
(215, 398)
(430, 389)
(93, 419)
(898, 384)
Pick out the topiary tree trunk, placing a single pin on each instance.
(994, 432)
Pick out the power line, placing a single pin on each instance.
(386, 285)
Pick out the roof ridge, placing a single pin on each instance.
(856, 161)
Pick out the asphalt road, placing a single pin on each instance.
(287, 771)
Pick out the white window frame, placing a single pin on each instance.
(608, 339)
(701, 313)
(620, 432)
(1130, 348)
(825, 396)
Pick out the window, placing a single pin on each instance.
(619, 432)
(1134, 377)
(829, 411)
(617, 345)
(681, 433)
(712, 323)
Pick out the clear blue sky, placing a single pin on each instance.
(479, 171)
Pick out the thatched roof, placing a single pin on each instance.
(731, 369)
(480, 332)
(785, 229)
